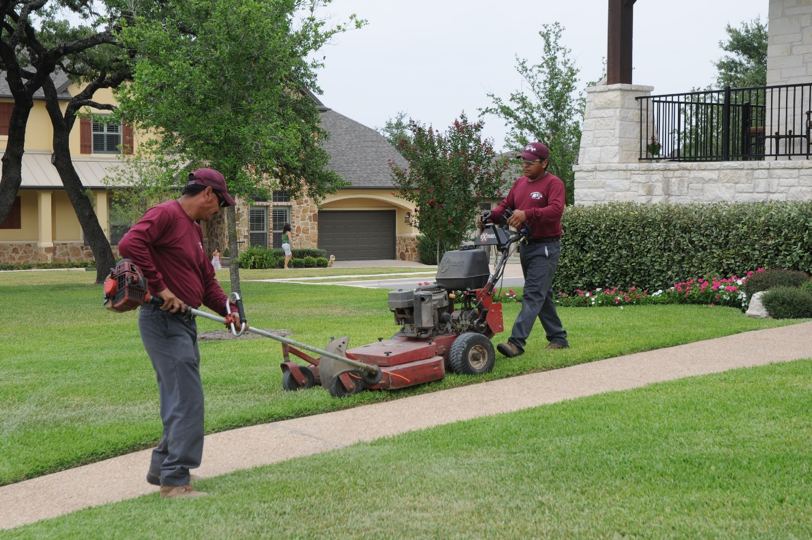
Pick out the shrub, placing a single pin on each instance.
(653, 246)
(307, 252)
(764, 281)
(788, 303)
(322, 262)
(296, 263)
(807, 286)
(260, 257)
(310, 262)
(257, 257)
(427, 250)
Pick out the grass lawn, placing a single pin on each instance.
(76, 385)
(719, 456)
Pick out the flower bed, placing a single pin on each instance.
(710, 290)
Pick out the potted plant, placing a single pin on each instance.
(653, 147)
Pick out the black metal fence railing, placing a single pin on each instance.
(727, 125)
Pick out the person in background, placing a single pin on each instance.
(215, 260)
(287, 245)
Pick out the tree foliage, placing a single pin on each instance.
(746, 65)
(226, 83)
(552, 108)
(37, 40)
(395, 129)
(447, 176)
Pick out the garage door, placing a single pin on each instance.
(355, 236)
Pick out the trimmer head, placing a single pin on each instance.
(329, 368)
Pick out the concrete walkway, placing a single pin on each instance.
(123, 477)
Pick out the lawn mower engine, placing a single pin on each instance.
(443, 326)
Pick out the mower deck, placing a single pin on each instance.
(406, 361)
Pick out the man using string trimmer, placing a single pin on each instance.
(167, 246)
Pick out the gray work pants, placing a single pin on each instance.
(171, 343)
(539, 262)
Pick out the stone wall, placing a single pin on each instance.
(672, 182)
(30, 252)
(406, 248)
(304, 222)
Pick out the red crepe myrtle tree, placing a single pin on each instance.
(447, 177)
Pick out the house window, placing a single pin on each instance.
(106, 138)
(258, 233)
(281, 197)
(118, 226)
(281, 215)
(14, 218)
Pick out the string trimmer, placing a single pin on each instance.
(126, 289)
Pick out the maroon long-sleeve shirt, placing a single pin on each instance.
(167, 245)
(542, 200)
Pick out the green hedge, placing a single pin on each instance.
(46, 265)
(654, 246)
(260, 257)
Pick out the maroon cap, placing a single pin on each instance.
(213, 179)
(534, 151)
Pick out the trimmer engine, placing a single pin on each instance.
(125, 289)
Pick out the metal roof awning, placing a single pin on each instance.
(38, 173)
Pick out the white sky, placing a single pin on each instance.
(434, 59)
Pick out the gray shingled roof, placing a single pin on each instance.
(359, 154)
(61, 82)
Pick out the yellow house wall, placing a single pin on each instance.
(28, 220)
(39, 134)
(371, 199)
(66, 224)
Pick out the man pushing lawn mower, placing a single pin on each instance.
(167, 246)
(536, 198)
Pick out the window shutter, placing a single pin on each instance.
(85, 136)
(5, 117)
(126, 138)
(14, 218)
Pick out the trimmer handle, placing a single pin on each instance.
(158, 301)
(243, 323)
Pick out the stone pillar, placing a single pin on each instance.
(45, 241)
(611, 132)
(789, 62)
(789, 42)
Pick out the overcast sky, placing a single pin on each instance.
(436, 58)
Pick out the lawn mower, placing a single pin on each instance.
(448, 325)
